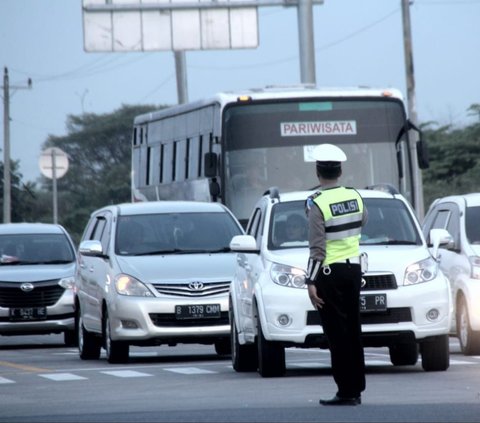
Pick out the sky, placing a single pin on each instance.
(356, 42)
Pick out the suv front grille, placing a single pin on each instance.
(193, 289)
(379, 281)
(44, 294)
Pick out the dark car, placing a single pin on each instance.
(37, 270)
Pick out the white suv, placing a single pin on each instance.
(405, 301)
(460, 261)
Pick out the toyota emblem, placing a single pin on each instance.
(196, 285)
(27, 287)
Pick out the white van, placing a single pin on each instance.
(460, 261)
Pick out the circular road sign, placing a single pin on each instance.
(50, 157)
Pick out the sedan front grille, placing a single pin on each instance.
(193, 289)
(44, 294)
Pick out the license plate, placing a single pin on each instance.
(28, 313)
(198, 311)
(373, 302)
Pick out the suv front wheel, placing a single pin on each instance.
(435, 353)
(271, 355)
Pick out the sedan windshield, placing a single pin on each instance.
(175, 233)
(35, 249)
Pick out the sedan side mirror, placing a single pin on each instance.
(244, 244)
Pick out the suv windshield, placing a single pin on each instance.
(175, 233)
(389, 222)
(35, 249)
(472, 217)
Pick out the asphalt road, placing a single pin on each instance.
(43, 381)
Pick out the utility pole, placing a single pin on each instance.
(306, 41)
(411, 100)
(7, 206)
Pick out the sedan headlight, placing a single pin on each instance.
(284, 275)
(422, 271)
(128, 285)
(475, 267)
(67, 283)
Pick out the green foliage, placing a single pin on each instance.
(99, 151)
(454, 160)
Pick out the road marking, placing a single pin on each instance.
(126, 373)
(4, 380)
(23, 367)
(311, 365)
(189, 370)
(61, 377)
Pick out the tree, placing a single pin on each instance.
(99, 150)
(24, 198)
(454, 159)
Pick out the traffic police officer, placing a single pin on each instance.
(336, 215)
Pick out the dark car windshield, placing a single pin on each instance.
(26, 249)
(472, 228)
(175, 233)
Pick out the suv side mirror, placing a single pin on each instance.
(440, 238)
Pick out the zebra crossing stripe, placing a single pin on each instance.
(189, 370)
(4, 380)
(125, 373)
(61, 377)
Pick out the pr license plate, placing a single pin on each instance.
(373, 302)
(198, 311)
(28, 313)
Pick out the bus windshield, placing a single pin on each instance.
(269, 143)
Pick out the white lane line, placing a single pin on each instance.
(61, 377)
(126, 373)
(5, 380)
(189, 370)
(311, 365)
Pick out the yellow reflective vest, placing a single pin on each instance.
(342, 210)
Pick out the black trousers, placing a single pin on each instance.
(340, 316)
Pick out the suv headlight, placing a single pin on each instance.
(128, 285)
(285, 275)
(475, 267)
(421, 271)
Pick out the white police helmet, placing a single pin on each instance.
(328, 153)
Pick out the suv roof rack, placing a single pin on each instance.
(273, 193)
(384, 187)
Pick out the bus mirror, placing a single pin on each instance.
(210, 164)
(422, 154)
(400, 164)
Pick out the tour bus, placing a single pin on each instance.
(234, 146)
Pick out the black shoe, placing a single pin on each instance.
(341, 401)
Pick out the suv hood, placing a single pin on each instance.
(381, 258)
(36, 273)
(180, 268)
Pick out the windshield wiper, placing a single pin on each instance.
(397, 242)
(183, 251)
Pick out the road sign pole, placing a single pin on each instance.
(54, 183)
